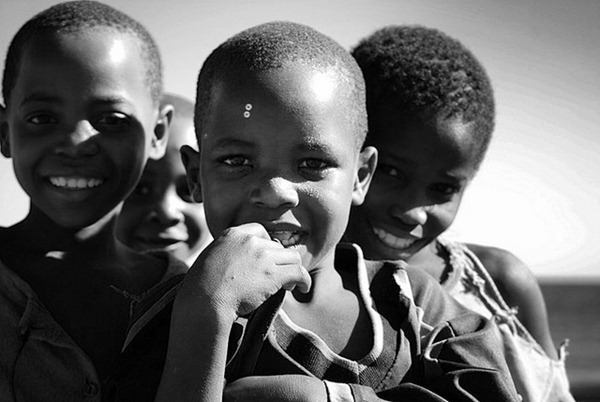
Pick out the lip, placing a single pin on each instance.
(400, 243)
(167, 243)
(288, 234)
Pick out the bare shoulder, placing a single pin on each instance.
(519, 288)
(506, 269)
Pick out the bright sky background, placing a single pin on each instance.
(538, 191)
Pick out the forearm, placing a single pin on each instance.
(195, 364)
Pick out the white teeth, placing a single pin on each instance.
(285, 238)
(393, 241)
(75, 182)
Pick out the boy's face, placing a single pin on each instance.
(80, 124)
(422, 173)
(278, 149)
(160, 213)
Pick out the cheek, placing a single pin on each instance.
(441, 218)
(219, 215)
(130, 218)
(377, 199)
(194, 218)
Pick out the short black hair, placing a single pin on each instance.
(274, 45)
(427, 74)
(74, 16)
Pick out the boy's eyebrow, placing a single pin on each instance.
(111, 100)
(455, 176)
(39, 97)
(230, 142)
(312, 144)
(42, 97)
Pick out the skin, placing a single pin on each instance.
(160, 214)
(79, 127)
(424, 169)
(290, 171)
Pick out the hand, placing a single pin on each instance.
(297, 388)
(238, 271)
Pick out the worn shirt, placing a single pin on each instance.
(39, 361)
(537, 377)
(425, 346)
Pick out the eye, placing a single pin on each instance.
(42, 118)
(112, 121)
(143, 189)
(314, 164)
(388, 170)
(445, 189)
(236, 160)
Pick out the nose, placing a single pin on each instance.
(79, 142)
(414, 216)
(275, 192)
(167, 211)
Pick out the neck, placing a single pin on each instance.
(44, 235)
(324, 277)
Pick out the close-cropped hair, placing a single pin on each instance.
(427, 74)
(276, 45)
(75, 16)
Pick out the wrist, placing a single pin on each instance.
(338, 392)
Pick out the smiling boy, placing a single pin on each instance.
(160, 214)
(80, 118)
(280, 122)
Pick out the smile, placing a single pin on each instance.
(75, 183)
(286, 238)
(393, 241)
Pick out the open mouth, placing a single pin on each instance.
(392, 241)
(286, 238)
(74, 183)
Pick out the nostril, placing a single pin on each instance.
(275, 193)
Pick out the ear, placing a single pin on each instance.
(367, 162)
(158, 145)
(191, 160)
(4, 138)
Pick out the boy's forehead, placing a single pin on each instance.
(97, 66)
(284, 83)
(296, 106)
(115, 41)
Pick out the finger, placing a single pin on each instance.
(297, 278)
(253, 228)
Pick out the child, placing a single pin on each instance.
(160, 213)
(280, 121)
(431, 115)
(81, 116)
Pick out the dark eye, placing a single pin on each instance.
(236, 160)
(313, 164)
(143, 189)
(112, 121)
(445, 189)
(388, 170)
(42, 118)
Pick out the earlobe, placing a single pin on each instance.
(367, 162)
(158, 145)
(4, 138)
(191, 161)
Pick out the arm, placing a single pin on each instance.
(232, 277)
(301, 388)
(519, 288)
(280, 388)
